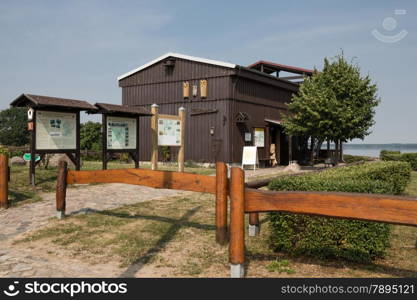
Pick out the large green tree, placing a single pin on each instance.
(14, 127)
(336, 104)
(90, 136)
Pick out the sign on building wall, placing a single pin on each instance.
(259, 137)
(121, 133)
(55, 130)
(169, 132)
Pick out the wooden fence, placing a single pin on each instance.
(4, 180)
(246, 200)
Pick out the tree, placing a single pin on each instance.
(337, 104)
(14, 127)
(90, 136)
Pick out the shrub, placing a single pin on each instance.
(322, 237)
(411, 158)
(355, 158)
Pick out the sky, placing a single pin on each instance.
(76, 49)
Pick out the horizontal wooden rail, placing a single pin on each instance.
(368, 207)
(155, 179)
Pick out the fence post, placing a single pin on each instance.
(181, 151)
(253, 224)
(4, 181)
(237, 223)
(61, 189)
(154, 129)
(221, 203)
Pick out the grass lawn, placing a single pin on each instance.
(175, 237)
(20, 192)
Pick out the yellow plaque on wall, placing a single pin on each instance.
(186, 89)
(203, 88)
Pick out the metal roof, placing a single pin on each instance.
(178, 55)
(273, 67)
(46, 101)
(123, 109)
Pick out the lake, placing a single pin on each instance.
(373, 150)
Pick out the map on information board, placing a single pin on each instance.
(55, 130)
(121, 133)
(259, 137)
(169, 132)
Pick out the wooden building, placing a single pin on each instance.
(225, 104)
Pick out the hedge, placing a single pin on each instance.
(321, 237)
(411, 158)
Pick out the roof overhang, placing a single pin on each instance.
(181, 56)
(106, 108)
(47, 102)
(276, 122)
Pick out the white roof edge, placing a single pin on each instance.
(187, 57)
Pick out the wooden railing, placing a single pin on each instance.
(369, 207)
(216, 185)
(4, 180)
(245, 200)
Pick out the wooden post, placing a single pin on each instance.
(237, 223)
(61, 189)
(104, 141)
(154, 128)
(137, 143)
(253, 224)
(77, 141)
(181, 151)
(289, 149)
(4, 181)
(221, 203)
(32, 168)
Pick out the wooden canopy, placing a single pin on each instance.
(105, 108)
(36, 101)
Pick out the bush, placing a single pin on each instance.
(355, 158)
(411, 158)
(321, 237)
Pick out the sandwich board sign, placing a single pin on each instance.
(250, 156)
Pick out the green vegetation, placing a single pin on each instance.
(14, 127)
(321, 237)
(336, 104)
(90, 136)
(355, 158)
(411, 158)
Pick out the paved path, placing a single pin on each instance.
(22, 219)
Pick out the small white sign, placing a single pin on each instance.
(248, 137)
(55, 130)
(259, 137)
(169, 132)
(250, 156)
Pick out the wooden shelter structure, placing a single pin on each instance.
(125, 119)
(55, 126)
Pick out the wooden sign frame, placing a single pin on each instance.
(154, 127)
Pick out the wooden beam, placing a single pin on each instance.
(181, 151)
(154, 136)
(4, 181)
(367, 207)
(292, 77)
(155, 179)
(221, 203)
(237, 217)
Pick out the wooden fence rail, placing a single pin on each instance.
(245, 200)
(368, 207)
(216, 185)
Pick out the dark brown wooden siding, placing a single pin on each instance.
(229, 92)
(200, 145)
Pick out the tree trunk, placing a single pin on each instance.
(336, 152)
(341, 151)
(328, 148)
(312, 151)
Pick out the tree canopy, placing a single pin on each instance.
(14, 127)
(90, 135)
(337, 103)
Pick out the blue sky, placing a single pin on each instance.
(76, 49)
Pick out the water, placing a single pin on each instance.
(373, 150)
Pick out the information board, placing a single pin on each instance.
(121, 133)
(55, 130)
(169, 132)
(250, 156)
(259, 137)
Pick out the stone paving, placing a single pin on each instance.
(22, 219)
